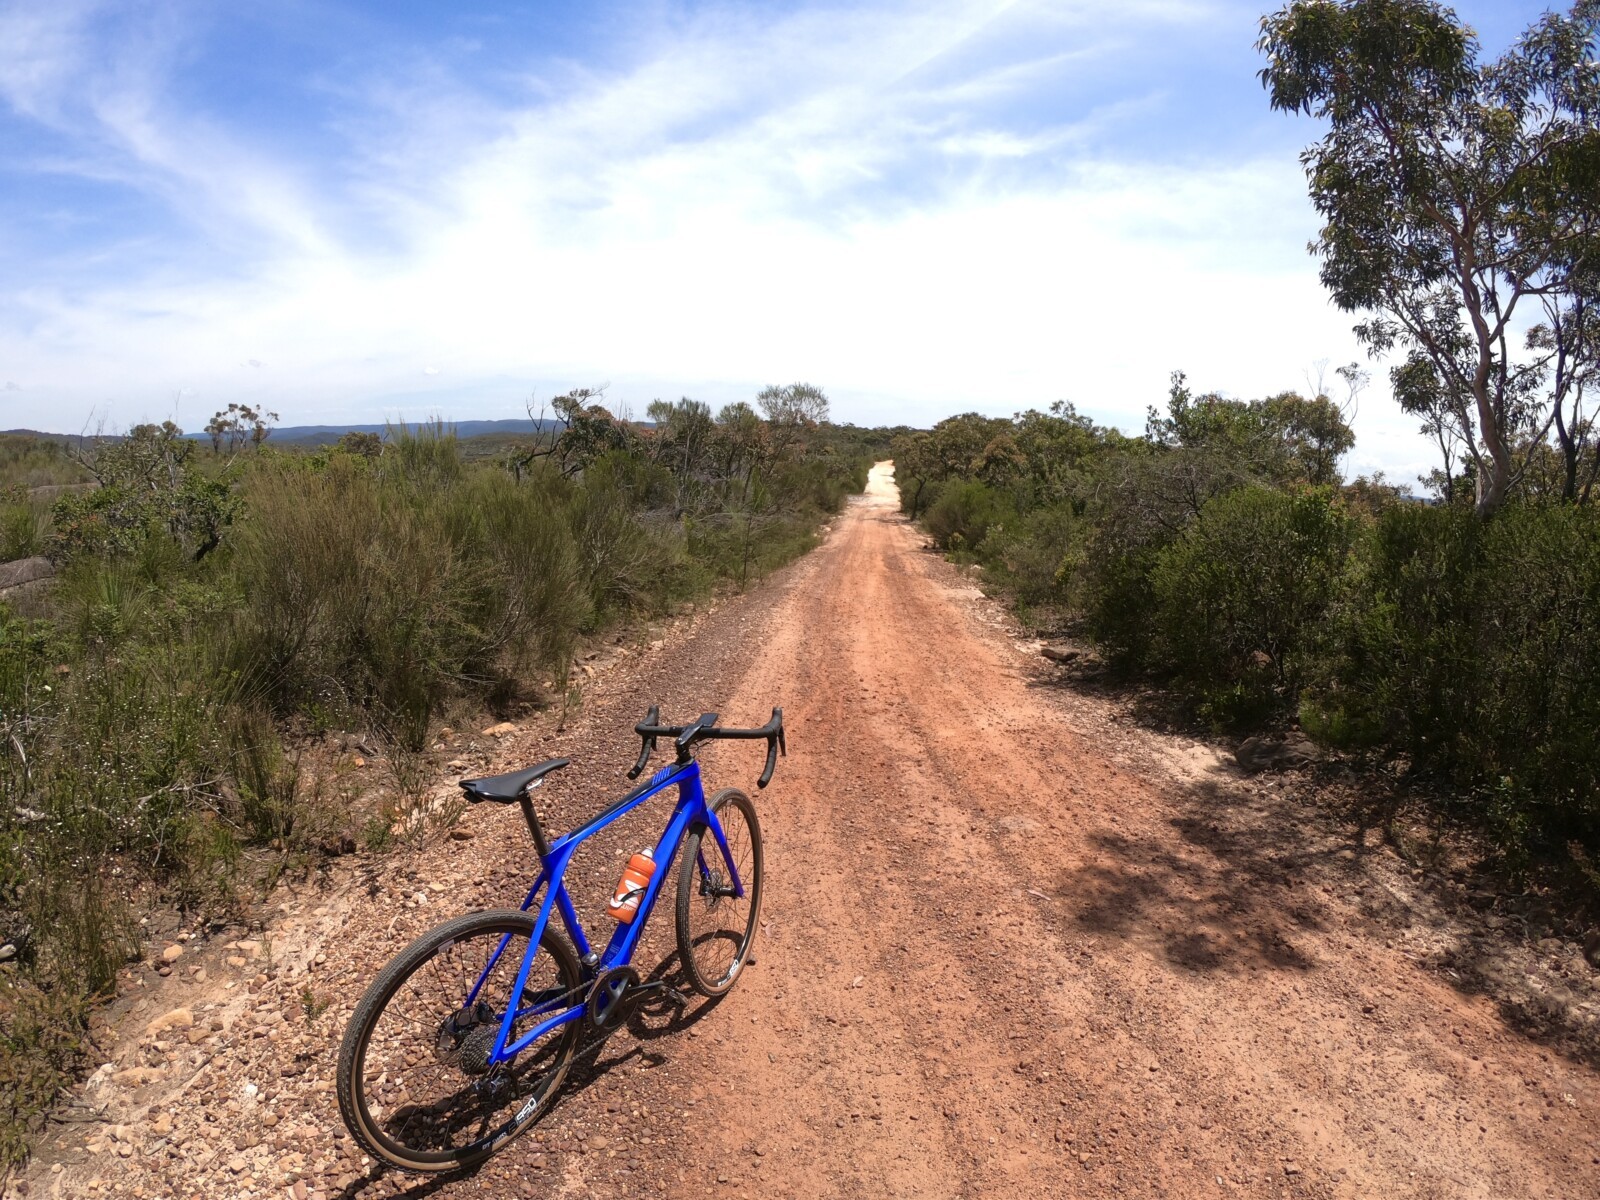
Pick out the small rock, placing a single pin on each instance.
(178, 1018)
(461, 833)
(172, 954)
(1290, 1169)
(162, 1125)
(1060, 656)
(1261, 754)
(237, 1165)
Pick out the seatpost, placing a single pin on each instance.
(532, 818)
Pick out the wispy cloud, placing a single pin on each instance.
(922, 207)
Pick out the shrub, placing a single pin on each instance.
(386, 591)
(201, 611)
(960, 519)
(1241, 594)
(151, 489)
(1037, 556)
(1475, 647)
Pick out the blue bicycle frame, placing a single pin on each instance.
(691, 810)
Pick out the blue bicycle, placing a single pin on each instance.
(463, 1040)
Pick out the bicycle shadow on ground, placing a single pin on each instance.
(652, 1018)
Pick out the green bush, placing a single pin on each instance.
(961, 517)
(24, 527)
(151, 490)
(1037, 556)
(204, 610)
(1475, 647)
(387, 591)
(1240, 598)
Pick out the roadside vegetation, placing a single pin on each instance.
(221, 608)
(1222, 553)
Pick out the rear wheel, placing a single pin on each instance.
(716, 927)
(414, 1082)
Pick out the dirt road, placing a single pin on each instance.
(1012, 947)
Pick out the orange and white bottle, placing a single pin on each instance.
(631, 887)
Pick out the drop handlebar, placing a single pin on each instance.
(705, 728)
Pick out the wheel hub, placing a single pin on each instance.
(467, 1036)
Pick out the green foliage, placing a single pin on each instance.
(1456, 192)
(42, 1031)
(150, 490)
(1220, 555)
(1038, 556)
(1240, 597)
(23, 526)
(1282, 439)
(1475, 647)
(964, 514)
(206, 612)
(29, 462)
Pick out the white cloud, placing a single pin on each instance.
(835, 196)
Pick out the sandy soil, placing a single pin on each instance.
(1012, 946)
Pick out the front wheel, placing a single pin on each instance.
(716, 925)
(414, 1080)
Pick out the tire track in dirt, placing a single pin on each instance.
(1000, 961)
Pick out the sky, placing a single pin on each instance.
(347, 212)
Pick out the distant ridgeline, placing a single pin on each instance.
(318, 435)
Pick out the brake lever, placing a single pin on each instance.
(653, 717)
(775, 742)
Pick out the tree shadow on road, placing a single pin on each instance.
(1266, 869)
(1230, 895)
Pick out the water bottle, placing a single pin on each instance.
(631, 887)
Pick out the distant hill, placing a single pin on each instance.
(321, 435)
(318, 435)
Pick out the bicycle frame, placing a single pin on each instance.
(691, 810)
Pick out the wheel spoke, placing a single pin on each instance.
(416, 1086)
(715, 924)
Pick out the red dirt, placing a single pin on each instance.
(1012, 946)
(1003, 962)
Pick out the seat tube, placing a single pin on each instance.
(532, 818)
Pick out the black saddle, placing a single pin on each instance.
(512, 786)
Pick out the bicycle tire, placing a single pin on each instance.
(371, 1118)
(713, 957)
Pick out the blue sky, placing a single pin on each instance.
(352, 212)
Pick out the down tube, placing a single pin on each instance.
(620, 950)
